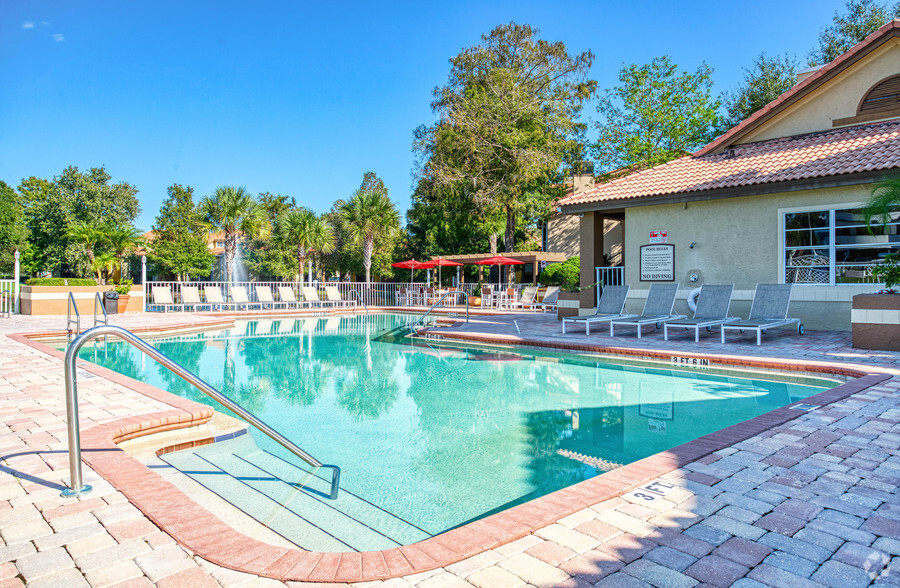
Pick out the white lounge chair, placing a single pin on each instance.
(769, 310)
(264, 297)
(334, 295)
(190, 296)
(611, 305)
(239, 297)
(286, 293)
(657, 309)
(525, 299)
(162, 297)
(311, 295)
(712, 310)
(548, 302)
(214, 298)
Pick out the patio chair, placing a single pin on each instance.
(190, 296)
(311, 295)
(214, 298)
(657, 309)
(487, 297)
(162, 297)
(526, 299)
(712, 310)
(769, 310)
(611, 305)
(548, 302)
(286, 294)
(239, 297)
(264, 296)
(334, 295)
(402, 297)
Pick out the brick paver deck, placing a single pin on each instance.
(801, 500)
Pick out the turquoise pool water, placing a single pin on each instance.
(437, 434)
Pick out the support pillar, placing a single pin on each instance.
(591, 246)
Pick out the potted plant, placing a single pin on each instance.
(475, 299)
(875, 318)
(123, 288)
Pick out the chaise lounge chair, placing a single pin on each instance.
(264, 296)
(548, 302)
(771, 303)
(214, 298)
(311, 295)
(612, 302)
(712, 310)
(239, 296)
(162, 296)
(526, 299)
(334, 295)
(286, 293)
(657, 309)
(190, 296)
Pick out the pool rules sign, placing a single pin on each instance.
(658, 263)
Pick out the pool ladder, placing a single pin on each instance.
(77, 487)
(72, 306)
(421, 320)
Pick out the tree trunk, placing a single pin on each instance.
(368, 247)
(492, 238)
(301, 259)
(230, 246)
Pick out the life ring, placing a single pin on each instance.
(692, 299)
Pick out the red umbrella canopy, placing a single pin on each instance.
(439, 262)
(500, 260)
(410, 264)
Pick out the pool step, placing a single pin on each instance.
(290, 501)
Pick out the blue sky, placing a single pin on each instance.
(302, 98)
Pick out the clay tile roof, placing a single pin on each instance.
(865, 148)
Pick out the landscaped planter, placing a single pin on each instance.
(875, 320)
(567, 304)
(44, 300)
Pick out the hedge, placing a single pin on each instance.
(60, 282)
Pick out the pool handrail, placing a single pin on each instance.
(358, 297)
(421, 319)
(98, 300)
(70, 304)
(78, 488)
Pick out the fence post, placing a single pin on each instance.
(16, 284)
(597, 281)
(144, 281)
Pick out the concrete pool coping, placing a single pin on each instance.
(201, 532)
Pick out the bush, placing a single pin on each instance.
(60, 282)
(566, 275)
(888, 271)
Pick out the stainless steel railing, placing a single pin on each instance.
(78, 487)
(99, 300)
(361, 301)
(436, 304)
(71, 305)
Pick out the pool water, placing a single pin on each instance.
(438, 434)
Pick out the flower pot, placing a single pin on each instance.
(875, 320)
(567, 304)
(475, 301)
(123, 302)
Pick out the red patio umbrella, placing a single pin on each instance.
(411, 265)
(439, 263)
(499, 260)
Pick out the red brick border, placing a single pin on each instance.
(205, 535)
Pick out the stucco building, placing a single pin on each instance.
(773, 200)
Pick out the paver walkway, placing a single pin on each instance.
(812, 502)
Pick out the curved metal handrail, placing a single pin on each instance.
(436, 304)
(98, 300)
(358, 297)
(70, 304)
(77, 487)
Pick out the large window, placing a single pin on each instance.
(836, 246)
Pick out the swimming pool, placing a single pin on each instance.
(428, 435)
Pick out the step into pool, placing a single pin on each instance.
(428, 435)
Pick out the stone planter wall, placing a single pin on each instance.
(875, 320)
(45, 300)
(567, 304)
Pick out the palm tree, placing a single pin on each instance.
(885, 200)
(104, 263)
(89, 235)
(235, 212)
(369, 215)
(301, 227)
(122, 238)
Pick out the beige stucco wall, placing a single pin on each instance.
(738, 241)
(838, 98)
(563, 236)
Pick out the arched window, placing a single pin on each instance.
(883, 99)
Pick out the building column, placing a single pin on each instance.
(591, 245)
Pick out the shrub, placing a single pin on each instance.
(888, 271)
(566, 275)
(60, 282)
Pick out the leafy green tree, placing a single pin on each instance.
(766, 80)
(859, 19)
(654, 115)
(13, 232)
(306, 232)
(93, 199)
(46, 213)
(369, 217)
(267, 257)
(89, 235)
(121, 239)
(235, 212)
(508, 119)
(180, 236)
(104, 264)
